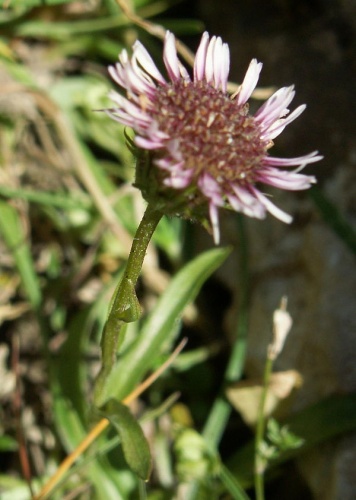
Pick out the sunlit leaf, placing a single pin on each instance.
(162, 321)
(134, 444)
(7, 443)
(15, 238)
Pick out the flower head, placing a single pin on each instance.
(198, 147)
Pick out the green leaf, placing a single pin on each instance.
(281, 436)
(68, 423)
(46, 198)
(65, 30)
(334, 218)
(15, 238)
(19, 72)
(231, 484)
(167, 236)
(71, 371)
(36, 3)
(67, 408)
(14, 488)
(7, 443)
(134, 444)
(143, 352)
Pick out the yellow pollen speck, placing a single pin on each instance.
(211, 119)
(143, 102)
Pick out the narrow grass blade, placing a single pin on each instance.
(334, 219)
(15, 238)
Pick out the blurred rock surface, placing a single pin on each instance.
(311, 43)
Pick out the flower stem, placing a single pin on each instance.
(125, 307)
(260, 461)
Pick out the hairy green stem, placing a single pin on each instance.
(125, 307)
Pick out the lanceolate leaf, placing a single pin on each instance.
(134, 444)
(141, 356)
(14, 235)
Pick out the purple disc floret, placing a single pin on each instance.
(205, 147)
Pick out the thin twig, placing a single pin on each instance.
(23, 455)
(160, 32)
(155, 30)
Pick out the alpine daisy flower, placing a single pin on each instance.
(198, 147)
